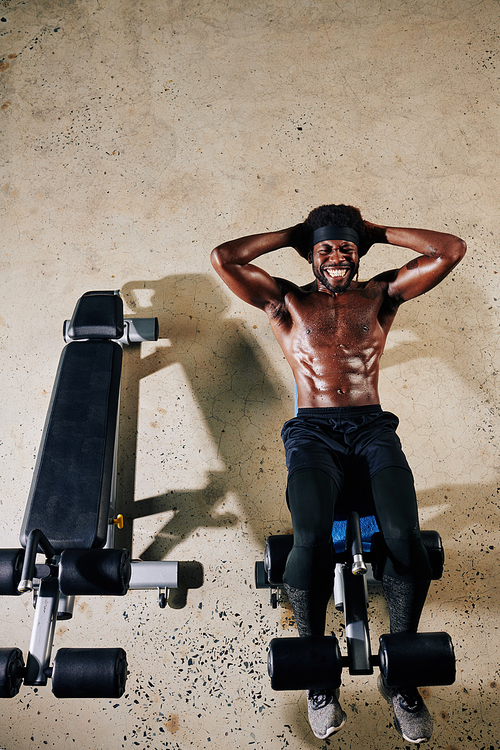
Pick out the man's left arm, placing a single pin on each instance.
(439, 254)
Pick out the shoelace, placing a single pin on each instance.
(410, 701)
(320, 700)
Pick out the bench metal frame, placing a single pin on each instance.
(98, 316)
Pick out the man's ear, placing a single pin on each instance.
(310, 256)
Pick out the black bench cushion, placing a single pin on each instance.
(72, 482)
(97, 315)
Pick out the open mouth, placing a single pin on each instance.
(336, 273)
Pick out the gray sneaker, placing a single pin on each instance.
(411, 717)
(325, 715)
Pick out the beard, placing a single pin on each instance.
(336, 286)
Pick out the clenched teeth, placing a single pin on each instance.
(336, 273)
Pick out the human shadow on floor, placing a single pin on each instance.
(234, 389)
(449, 324)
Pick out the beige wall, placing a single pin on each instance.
(136, 136)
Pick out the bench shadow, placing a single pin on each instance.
(230, 379)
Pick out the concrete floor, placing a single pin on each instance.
(138, 135)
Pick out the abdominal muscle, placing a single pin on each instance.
(334, 359)
(336, 381)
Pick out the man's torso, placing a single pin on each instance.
(333, 343)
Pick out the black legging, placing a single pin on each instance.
(312, 495)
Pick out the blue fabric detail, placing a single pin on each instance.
(368, 528)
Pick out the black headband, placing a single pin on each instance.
(334, 233)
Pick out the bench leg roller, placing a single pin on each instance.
(89, 673)
(11, 672)
(11, 567)
(417, 659)
(95, 572)
(313, 663)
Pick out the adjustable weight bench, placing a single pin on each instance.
(315, 663)
(70, 515)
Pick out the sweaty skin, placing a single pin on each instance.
(333, 331)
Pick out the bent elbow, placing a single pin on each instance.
(460, 249)
(461, 246)
(216, 258)
(455, 251)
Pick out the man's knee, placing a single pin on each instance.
(310, 567)
(311, 536)
(397, 515)
(407, 559)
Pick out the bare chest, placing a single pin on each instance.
(351, 321)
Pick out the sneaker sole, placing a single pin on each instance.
(408, 739)
(331, 731)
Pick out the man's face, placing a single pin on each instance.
(335, 263)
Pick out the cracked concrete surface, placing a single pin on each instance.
(138, 135)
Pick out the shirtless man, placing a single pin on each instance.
(332, 333)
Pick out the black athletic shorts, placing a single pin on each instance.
(348, 443)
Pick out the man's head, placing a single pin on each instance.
(336, 241)
(336, 216)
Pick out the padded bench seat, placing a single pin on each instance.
(71, 489)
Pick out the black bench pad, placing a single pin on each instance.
(71, 489)
(97, 315)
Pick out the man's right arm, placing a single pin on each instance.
(233, 262)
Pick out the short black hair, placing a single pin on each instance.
(338, 216)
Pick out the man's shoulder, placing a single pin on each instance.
(290, 292)
(383, 279)
(379, 283)
(378, 287)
